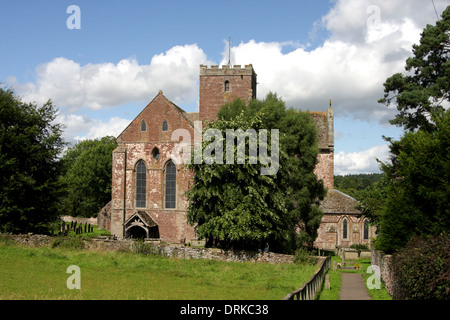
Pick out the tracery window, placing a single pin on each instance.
(141, 184)
(170, 185)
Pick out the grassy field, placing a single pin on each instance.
(336, 281)
(40, 273)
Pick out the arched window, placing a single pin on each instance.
(141, 184)
(227, 85)
(143, 126)
(366, 230)
(165, 126)
(344, 228)
(171, 185)
(155, 153)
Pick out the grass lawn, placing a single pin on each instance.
(40, 273)
(336, 280)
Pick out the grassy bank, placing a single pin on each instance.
(40, 273)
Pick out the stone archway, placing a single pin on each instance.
(137, 232)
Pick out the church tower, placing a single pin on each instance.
(221, 85)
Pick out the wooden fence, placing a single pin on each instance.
(309, 289)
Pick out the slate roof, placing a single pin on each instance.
(144, 217)
(337, 202)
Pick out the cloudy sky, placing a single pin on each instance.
(103, 73)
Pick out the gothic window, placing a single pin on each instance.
(227, 86)
(143, 126)
(366, 229)
(141, 184)
(155, 153)
(171, 185)
(165, 126)
(344, 228)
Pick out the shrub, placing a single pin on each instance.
(303, 256)
(422, 268)
(68, 242)
(359, 246)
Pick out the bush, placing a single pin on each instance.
(303, 256)
(359, 246)
(422, 269)
(68, 243)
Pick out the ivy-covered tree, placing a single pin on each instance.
(87, 174)
(235, 206)
(30, 143)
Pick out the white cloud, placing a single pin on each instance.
(82, 128)
(98, 86)
(349, 68)
(360, 162)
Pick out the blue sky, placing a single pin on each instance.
(102, 75)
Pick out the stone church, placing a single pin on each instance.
(148, 185)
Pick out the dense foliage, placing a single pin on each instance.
(87, 167)
(425, 89)
(234, 205)
(422, 268)
(353, 184)
(418, 189)
(417, 178)
(30, 143)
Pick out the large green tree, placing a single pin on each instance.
(416, 178)
(425, 88)
(234, 205)
(418, 189)
(87, 173)
(30, 143)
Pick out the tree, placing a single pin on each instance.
(418, 191)
(87, 174)
(426, 88)
(30, 143)
(416, 178)
(235, 206)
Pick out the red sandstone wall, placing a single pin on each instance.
(135, 145)
(242, 84)
(325, 168)
(329, 234)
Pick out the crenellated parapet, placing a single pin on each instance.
(225, 70)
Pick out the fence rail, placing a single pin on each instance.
(309, 289)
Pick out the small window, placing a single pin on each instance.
(344, 229)
(143, 126)
(155, 154)
(366, 230)
(227, 86)
(165, 126)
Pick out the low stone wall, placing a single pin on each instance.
(222, 255)
(168, 250)
(384, 262)
(35, 240)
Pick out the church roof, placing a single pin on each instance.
(337, 202)
(143, 217)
